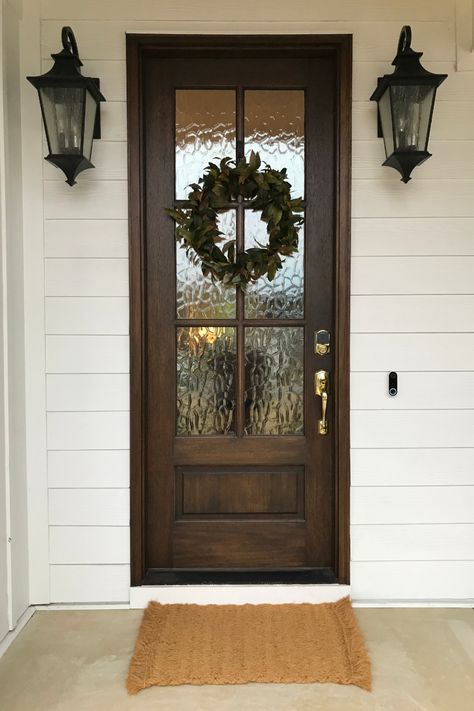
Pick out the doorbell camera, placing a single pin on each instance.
(392, 383)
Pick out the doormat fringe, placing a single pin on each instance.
(242, 644)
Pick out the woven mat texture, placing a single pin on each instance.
(240, 644)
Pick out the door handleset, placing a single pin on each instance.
(321, 387)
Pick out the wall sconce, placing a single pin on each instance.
(405, 108)
(70, 105)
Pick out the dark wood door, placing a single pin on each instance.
(235, 472)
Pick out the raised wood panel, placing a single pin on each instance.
(86, 277)
(237, 544)
(412, 428)
(411, 352)
(406, 314)
(87, 354)
(89, 469)
(89, 544)
(88, 430)
(86, 238)
(412, 236)
(412, 275)
(90, 583)
(450, 119)
(179, 10)
(450, 159)
(412, 467)
(109, 158)
(229, 491)
(412, 580)
(86, 315)
(86, 392)
(372, 43)
(105, 199)
(412, 504)
(421, 198)
(416, 391)
(285, 450)
(417, 542)
(88, 507)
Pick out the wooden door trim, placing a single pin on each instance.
(138, 46)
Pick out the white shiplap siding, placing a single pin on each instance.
(412, 309)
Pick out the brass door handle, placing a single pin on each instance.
(321, 387)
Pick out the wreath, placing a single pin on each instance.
(197, 226)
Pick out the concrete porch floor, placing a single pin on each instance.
(77, 661)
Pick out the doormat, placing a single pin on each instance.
(242, 644)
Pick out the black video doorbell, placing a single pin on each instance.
(392, 383)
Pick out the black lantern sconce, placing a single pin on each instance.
(405, 108)
(70, 105)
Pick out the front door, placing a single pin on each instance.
(238, 455)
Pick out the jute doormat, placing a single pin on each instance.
(240, 644)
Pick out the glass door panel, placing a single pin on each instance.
(197, 296)
(274, 126)
(274, 382)
(205, 128)
(205, 366)
(284, 296)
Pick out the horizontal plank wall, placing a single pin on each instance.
(412, 308)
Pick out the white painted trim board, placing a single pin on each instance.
(13, 634)
(235, 594)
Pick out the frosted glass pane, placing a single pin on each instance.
(411, 115)
(63, 112)
(205, 380)
(274, 373)
(205, 131)
(284, 296)
(196, 295)
(89, 121)
(385, 108)
(274, 126)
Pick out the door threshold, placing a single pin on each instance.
(242, 594)
(301, 576)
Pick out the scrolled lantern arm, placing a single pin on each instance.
(404, 41)
(69, 41)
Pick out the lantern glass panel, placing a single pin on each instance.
(89, 122)
(63, 110)
(385, 112)
(412, 107)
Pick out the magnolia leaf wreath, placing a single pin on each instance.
(197, 226)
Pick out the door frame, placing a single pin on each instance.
(139, 46)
